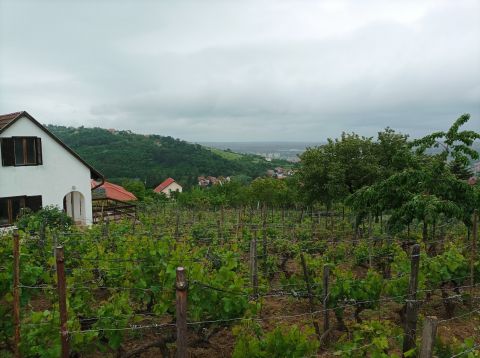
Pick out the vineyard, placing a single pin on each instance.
(370, 250)
(259, 282)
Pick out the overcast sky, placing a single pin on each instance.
(242, 70)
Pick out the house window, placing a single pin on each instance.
(10, 207)
(21, 151)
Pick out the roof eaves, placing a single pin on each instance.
(94, 173)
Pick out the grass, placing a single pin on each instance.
(225, 154)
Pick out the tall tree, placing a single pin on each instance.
(427, 189)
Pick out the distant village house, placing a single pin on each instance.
(210, 180)
(167, 187)
(280, 173)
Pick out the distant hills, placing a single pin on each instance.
(286, 150)
(152, 158)
(283, 150)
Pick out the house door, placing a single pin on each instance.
(74, 206)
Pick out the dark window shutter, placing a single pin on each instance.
(8, 153)
(38, 143)
(34, 202)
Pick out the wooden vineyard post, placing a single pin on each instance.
(428, 337)
(193, 217)
(381, 223)
(369, 225)
(240, 222)
(62, 300)
(222, 218)
(219, 229)
(310, 296)
(177, 225)
(42, 234)
(473, 255)
(326, 317)
(312, 218)
(55, 244)
(181, 312)
(264, 247)
(105, 227)
(253, 263)
(16, 293)
(412, 306)
(332, 221)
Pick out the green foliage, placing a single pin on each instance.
(348, 289)
(370, 339)
(342, 166)
(152, 158)
(454, 143)
(195, 198)
(40, 335)
(136, 187)
(49, 217)
(284, 342)
(450, 266)
(264, 192)
(397, 287)
(118, 307)
(447, 350)
(427, 189)
(269, 191)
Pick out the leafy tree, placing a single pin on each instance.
(342, 166)
(321, 175)
(268, 191)
(136, 187)
(392, 151)
(460, 170)
(195, 198)
(427, 189)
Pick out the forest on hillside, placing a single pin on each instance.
(123, 155)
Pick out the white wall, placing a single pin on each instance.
(77, 210)
(172, 187)
(60, 173)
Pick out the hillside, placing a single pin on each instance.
(123, 154)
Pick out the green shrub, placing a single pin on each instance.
(281, 342)
(467, 347)
(50, 217)
(369, 339)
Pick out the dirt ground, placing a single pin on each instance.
(221, 344)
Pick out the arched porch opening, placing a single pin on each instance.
(74, 206)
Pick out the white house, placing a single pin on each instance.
(38, 169)
(167, 187)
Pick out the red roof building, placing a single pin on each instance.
(114, 192)
(167, 187)
(163, 185)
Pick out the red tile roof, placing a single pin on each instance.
(163, 185)
(115, 192)
(6, 119)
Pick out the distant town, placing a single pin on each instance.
(268, 150)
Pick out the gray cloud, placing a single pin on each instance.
(262, 70)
